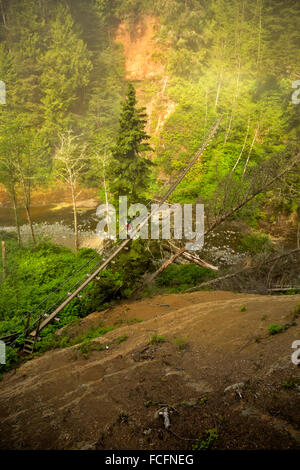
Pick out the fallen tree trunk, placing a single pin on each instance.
(248, 268)
(225, 216)
(193, 258)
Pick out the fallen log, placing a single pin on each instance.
(193, 258)
(248, 268)
(228, 214)
(283, 289)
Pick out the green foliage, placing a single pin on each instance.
(156, 339)
(88, 346)
(132, 264)
(206, 440)
(12, 360)
(291, 292)
(255, 243)
(53, 341)
(122, 339)
(181, 343)
(291, 383)
(243, 308)
(183, 276)
(274, 329)
(33, 274)
(64, 70)
(130, 169)
(202, 400)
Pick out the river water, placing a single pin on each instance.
(55, 223)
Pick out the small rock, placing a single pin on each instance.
(190, 403)
(235, 388)
(89, 447)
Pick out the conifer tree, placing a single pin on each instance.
(130, 170)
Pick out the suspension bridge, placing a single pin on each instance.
(31, 329)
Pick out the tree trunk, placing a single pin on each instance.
(234, 105)
(218, 90)
(243, 148)
(3, 259)
(224, 217)
(27, 194)
(76, 240)
(14, 201)
(106, 193)
(259, 33)
(27, 208)
(193, 258)
(250, 151)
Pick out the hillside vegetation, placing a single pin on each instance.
(65, 65)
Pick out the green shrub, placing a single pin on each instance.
(122, 339)
(156, 339)
(291, 384)
(274, 329)
(12, 360)
(205, 441)
(255, 242)
(181, 343)
(183, 276)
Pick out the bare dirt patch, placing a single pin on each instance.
(110, 398)
(139, 46)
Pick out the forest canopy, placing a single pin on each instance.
(64, 71)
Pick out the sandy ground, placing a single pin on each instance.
(110, 397)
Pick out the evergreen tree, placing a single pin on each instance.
(130, 170)
(66, 70)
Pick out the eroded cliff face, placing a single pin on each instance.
(145, 64)
(140, 49)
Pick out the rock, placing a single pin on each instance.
(190, 403)
(235, 387)
(247, 412)
(89, 446)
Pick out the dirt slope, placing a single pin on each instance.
(145, 64)
(139, 46)
(110, 399)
